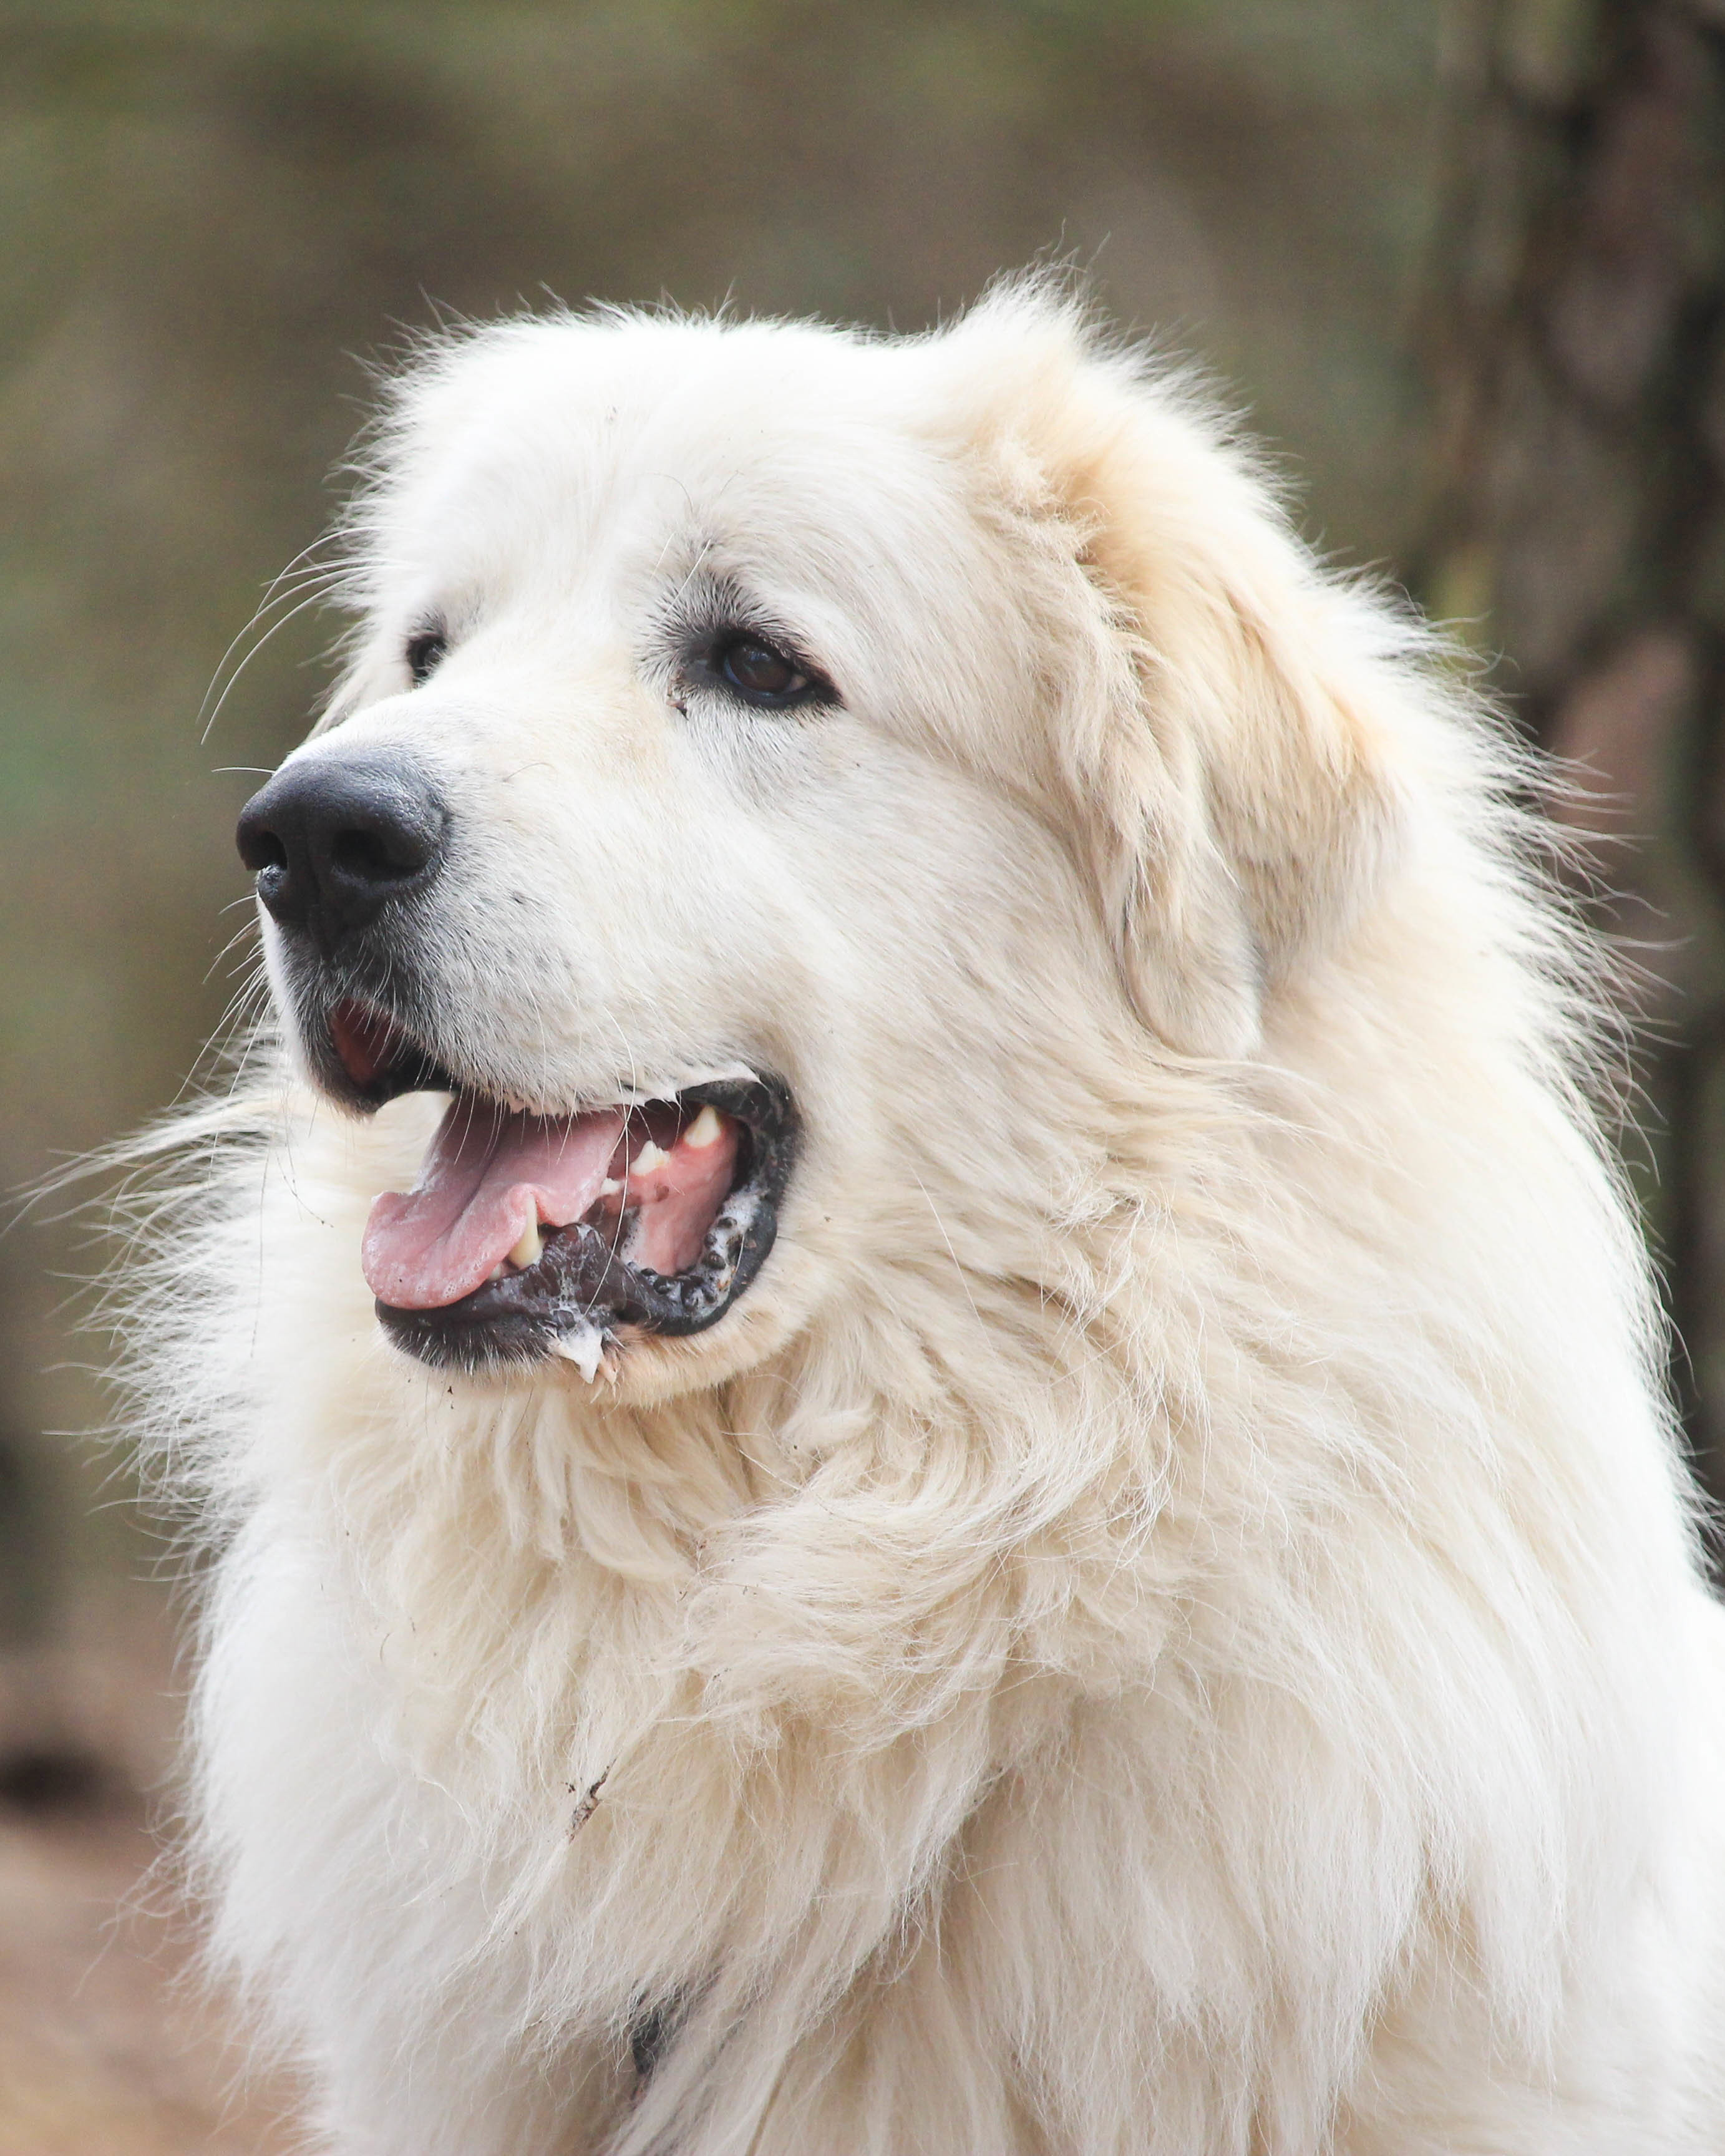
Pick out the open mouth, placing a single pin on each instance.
(526, 1235)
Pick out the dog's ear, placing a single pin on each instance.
(1221, 745)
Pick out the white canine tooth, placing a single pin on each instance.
(649, 1156)
(610, 1187)
(526, 1252)
(706, 1129)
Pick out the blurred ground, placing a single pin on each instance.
(107, 2048)
(103, 2050)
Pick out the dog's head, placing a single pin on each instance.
(773, 760)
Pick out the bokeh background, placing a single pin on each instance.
(1462, 262)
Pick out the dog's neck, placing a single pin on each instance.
(793, 1544)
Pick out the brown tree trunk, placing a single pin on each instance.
(1577, 337)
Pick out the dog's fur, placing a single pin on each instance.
(1168, 1619)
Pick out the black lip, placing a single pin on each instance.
(315, 992)
(582, 1281)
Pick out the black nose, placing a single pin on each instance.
(333, 838)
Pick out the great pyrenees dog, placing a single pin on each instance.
(930, 1422)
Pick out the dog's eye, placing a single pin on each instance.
(758, 670)
(748, 666)
(425, 649)
(745, 662)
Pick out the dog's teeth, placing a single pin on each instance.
(706, 1129)
(650, 1155)
(610, 1187)
(528, 1251)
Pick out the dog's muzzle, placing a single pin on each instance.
(527, 1234)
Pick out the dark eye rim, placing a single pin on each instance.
(425, 652)
(704, 664)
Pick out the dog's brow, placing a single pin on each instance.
(704, 547)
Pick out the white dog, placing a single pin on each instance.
(970, 1462)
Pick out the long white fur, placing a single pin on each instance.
(1167, 1621)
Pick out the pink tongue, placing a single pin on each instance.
(486, 1176)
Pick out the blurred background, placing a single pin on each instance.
(1462, 261)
